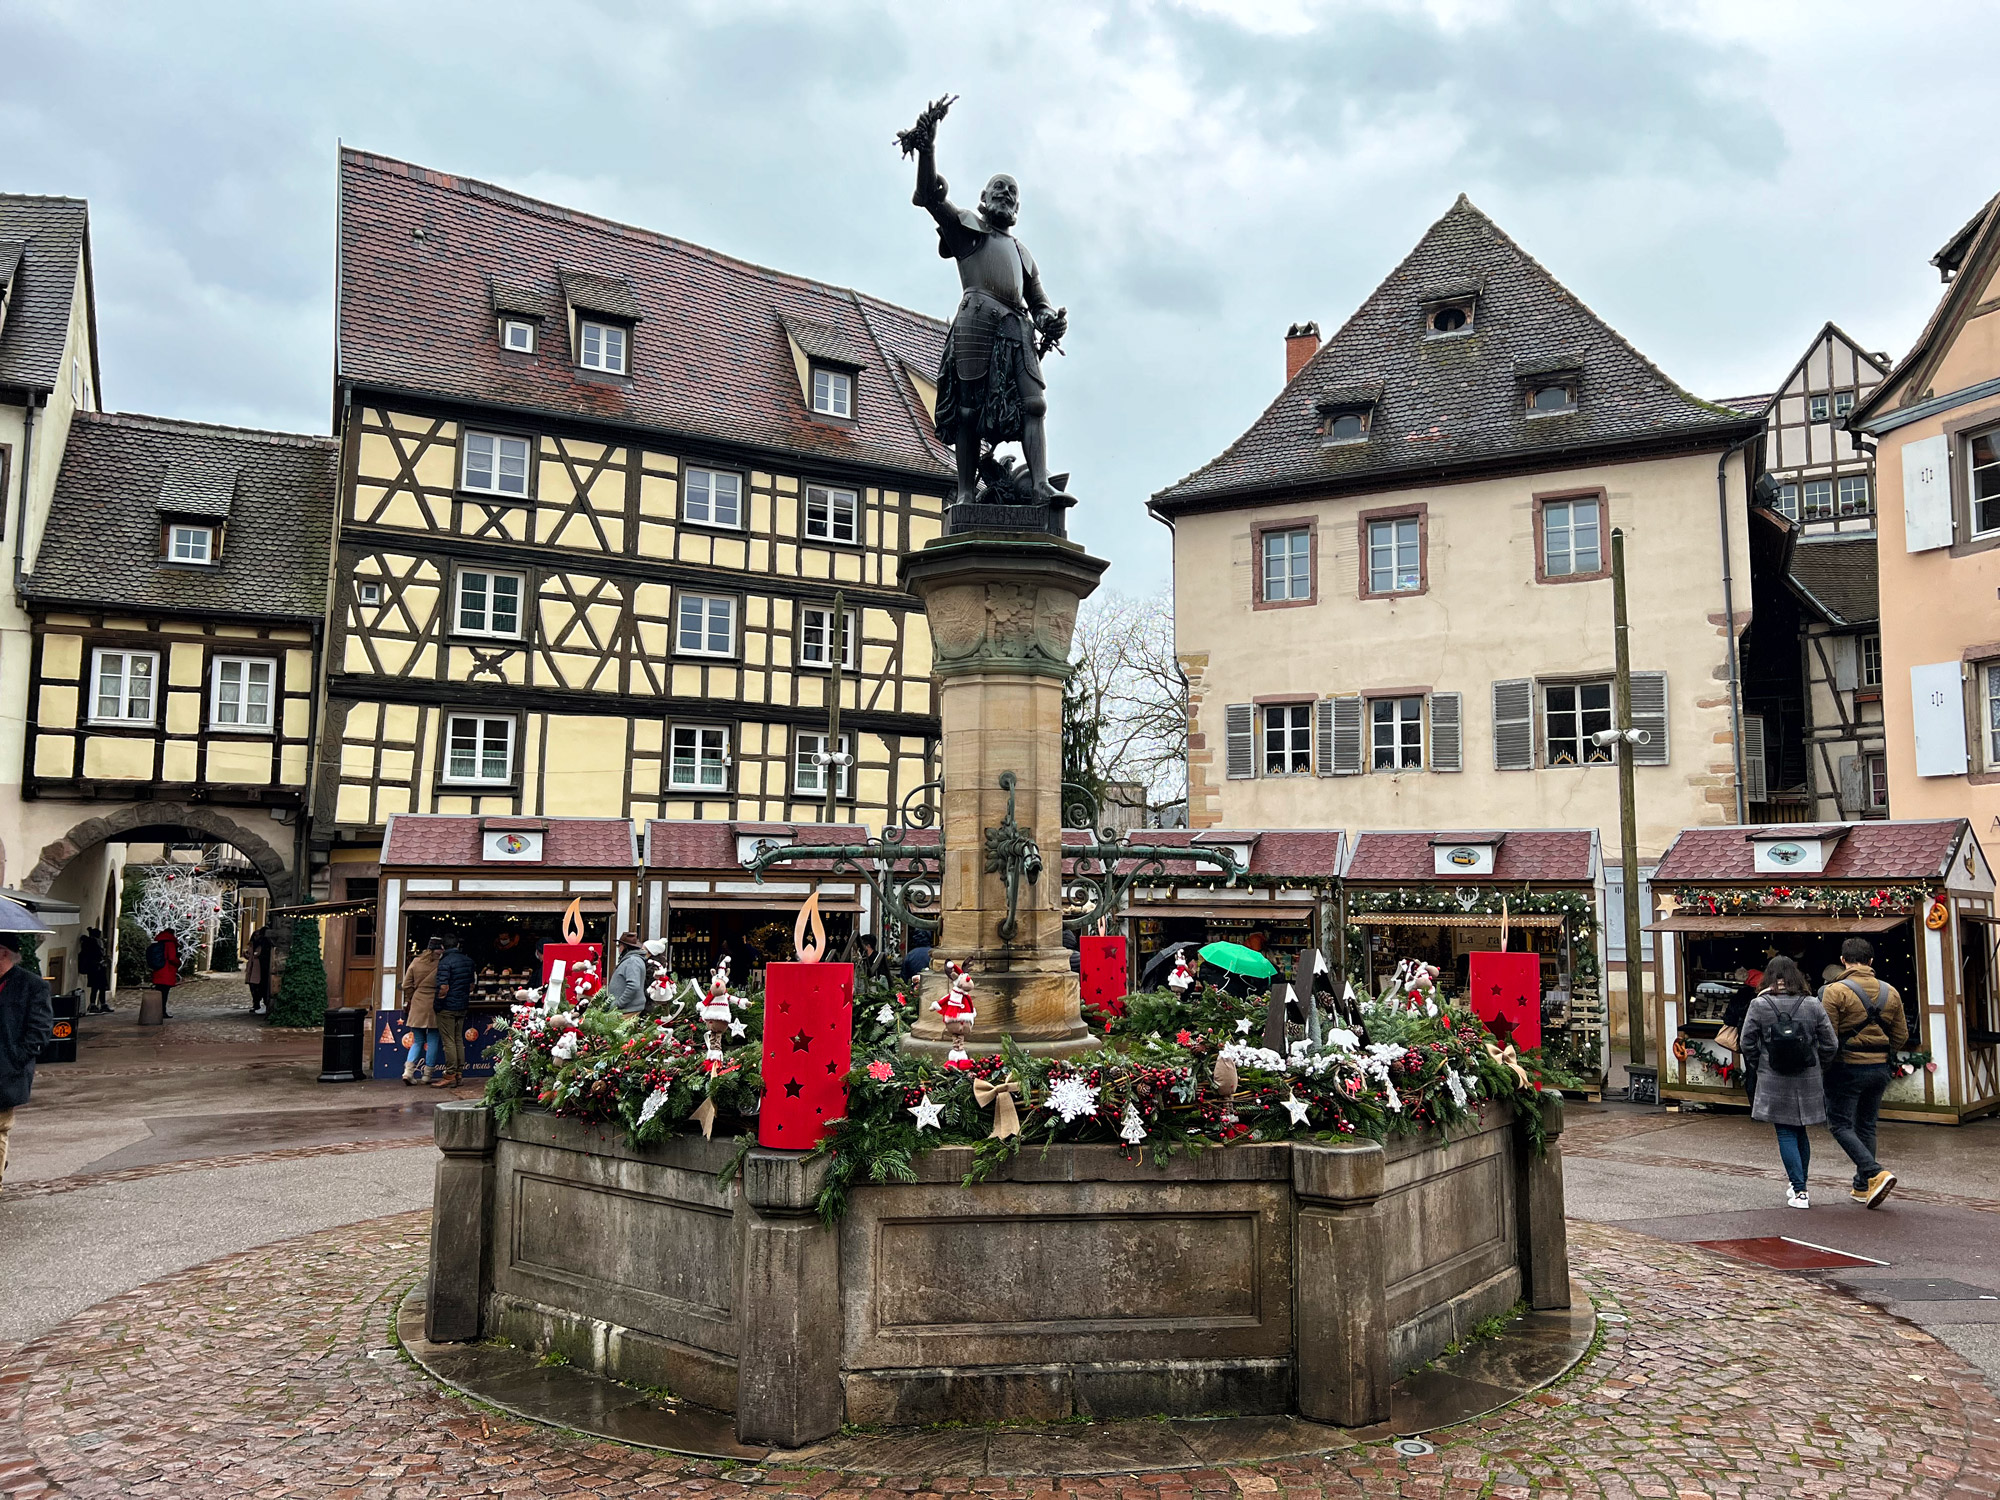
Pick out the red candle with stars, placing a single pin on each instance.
(808, 1048)
(1506, 994)
(1104, 971)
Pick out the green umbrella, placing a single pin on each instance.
(1234, 958)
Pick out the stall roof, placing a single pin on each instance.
(452, 840)
(1866, 851)
(1554, 855)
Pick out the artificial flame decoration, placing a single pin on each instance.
(572, 970)
(809, 932)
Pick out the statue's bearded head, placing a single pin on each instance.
(1000, 204)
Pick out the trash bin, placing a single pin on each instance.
(340, 1047)
(61, 1045)
(1645, 1085)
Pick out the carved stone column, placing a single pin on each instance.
(1002, 608)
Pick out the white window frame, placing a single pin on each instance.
(700, 738)
(1788, 500)
(1973, 469)
(1843, 403)
(1399, 720)
(1293, 554)
(482, 725)
(1393, 526)
(98, 659)
(612, 354)
(190, 529)
(1870, 763)
(511, 326)
(830, 530)
(1289, 737)
(1868, 655)
(832, 392)
(1816, 501)
(216, 704)
(1571, 565)
(1989, 697)
(706, 516)
(496, 451)
(813, 642)
(1846, 485)
(487, 630)
(1587, 753)
(1819, 408)
(708, 603)
(806, 777)
(367, 591)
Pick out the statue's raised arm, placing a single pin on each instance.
(920, 141)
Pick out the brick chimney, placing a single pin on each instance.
(1301, 344)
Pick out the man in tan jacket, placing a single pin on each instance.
(1868, 1018)
(418, 992)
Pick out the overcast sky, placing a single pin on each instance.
(1716, 180)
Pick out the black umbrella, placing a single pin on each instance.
(1161, 964)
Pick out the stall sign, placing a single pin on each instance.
(393, 1037)
(1506, 994)
(1778, 855)
(512, 845)
(1462, 859)
(1104, 971)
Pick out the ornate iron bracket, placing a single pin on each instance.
(1097, 887)
(907, 878)
(1013, 855)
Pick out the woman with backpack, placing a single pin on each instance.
(1787, 1039)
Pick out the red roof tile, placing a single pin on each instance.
(1870, 851)
(1548, 854)
(422, 253)
(452, 840)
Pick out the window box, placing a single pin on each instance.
(1287, 573)
(241, 693)
(495, 464)
(705, 625)
(712, 497)
(832, 515)
(488, 604)
(1395, 552)
(700, 758)
(809, 773)
(816, 637)
(1569, 537)
(478, 750)
(124, 687)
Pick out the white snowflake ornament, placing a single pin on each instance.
(1071, 1097)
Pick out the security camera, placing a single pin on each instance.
(1605, 738)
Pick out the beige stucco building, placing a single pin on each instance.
(1392, 594)
(1936, 423)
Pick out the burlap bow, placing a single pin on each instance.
(704, 1116)
(1006, 1120)
(1509, 1058)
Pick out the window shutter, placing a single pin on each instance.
(1853, 794)
(1447, 736)
(1514, 724)
(1846, 663)
(1937, 702)
(1649, 712)
(1346, 736)
(1240, 731)
(1756, 780)
(1323, 737)
(1927, 494)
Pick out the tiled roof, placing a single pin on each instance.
(50, 234)
(1547, 854)
(1837, 576)
(1869, 851)
(198, 484)
(519, 301)
(826, 341)
(422, 253)
(451, 840)
(1750, 406)
(611, 295)
(1449, 402)
(102, 542)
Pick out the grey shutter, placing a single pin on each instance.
(1853, 795)
(1756, 781)
(1649, 712)
(1927, 494)
(1514, 724)
(1937, 697)
(1846, 663)
(1239, 724)
(1447, 732)
(1346, 736)
(1323, 737)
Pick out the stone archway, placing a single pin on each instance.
(163, 818)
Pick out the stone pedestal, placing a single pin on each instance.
(1002, 608)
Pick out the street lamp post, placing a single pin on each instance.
(1622, 739)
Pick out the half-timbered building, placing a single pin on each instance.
(616, 513)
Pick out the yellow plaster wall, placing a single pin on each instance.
(117, 758)
(243, 761)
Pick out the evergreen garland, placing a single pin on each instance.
(1847, 901)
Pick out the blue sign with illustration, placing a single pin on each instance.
(392, 1041)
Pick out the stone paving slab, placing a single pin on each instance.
(262, 1374)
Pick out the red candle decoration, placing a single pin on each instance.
(808, 1048)
(572, 953)
(1104, 971)
(1506, 994)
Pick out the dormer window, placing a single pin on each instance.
(189, 543)
(1551, 398)
(1450, 319)
(601, 346)
(833, 392)
(1346, 413)
(1347, 427)
(517, 336)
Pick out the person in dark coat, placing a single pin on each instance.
(1789, 1101)
(93, 962)
(27, 1020)
(454, 998)
(257, 969)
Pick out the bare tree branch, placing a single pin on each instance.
(1132, 689)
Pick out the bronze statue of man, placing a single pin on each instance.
(990, 386)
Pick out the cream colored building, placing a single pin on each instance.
(1935, 420)
(1392, 593)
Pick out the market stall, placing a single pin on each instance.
(1443, 896)
(698, 896)
(503, 887)
(1731, 899)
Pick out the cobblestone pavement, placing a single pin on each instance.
(270, 1373)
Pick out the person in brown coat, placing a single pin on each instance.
(1868, 1019)
(418, 992)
